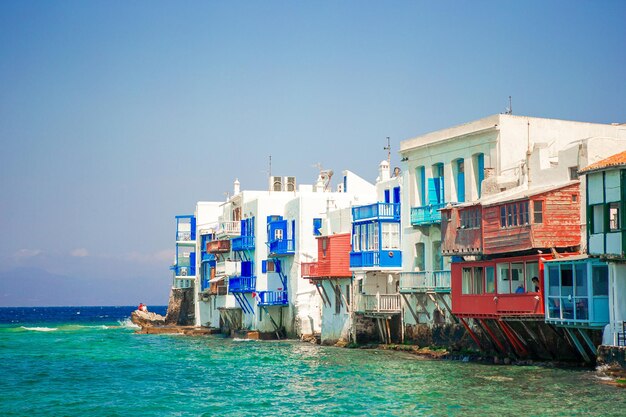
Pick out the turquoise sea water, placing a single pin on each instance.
(59, 363)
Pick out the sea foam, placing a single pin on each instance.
(40, 329)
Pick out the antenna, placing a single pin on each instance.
(270, 171)
(509, 110)
(388, 149)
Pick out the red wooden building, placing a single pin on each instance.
(546, 218)
(333, 258)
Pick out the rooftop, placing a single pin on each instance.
(616, 160)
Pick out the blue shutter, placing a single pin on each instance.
(460, 187)
(317, 225)
(277, 266)
(433, 190)
(264, 266)
(481, 171)
(442, 195)
(387, 198)
(396, 194)
(246, 268)
(193, 228)
(422, 185)
(244, 227)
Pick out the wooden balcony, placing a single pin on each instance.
(425, 281)
(376, 211)
(379, 303)
(229, 228)
(218, 246)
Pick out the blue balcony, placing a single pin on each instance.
(282, 247)
(185, 229)
(184, 271)
(273, 298)
(389, 211)
(242, 243)
(426, 215)
(382, 259)
(241, 284)
(425, 281)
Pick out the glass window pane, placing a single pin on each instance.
(598, 219)
(517, 277)
(490, 278)
(582, 308)
(466, 280)
(553, 281)
(478, 280)
(503, 279)
(567, 280)
(538, 211)
(532, 271)
(581, 279)
(600, 277)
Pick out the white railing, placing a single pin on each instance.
(230, 228)
(425, 281)
(379, 303)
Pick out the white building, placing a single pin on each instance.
(462, 163)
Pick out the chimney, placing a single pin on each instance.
(236, 187)
(383, 171)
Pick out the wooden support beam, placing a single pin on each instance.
(510, 335)
(419, 302)
(471, 333)
(493, 336)
(343, 297)
(588, 341)
(276, 328)
(406, 302)
(445, 303)
(579, 346)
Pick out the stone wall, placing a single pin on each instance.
(612, 356)
(180, 308)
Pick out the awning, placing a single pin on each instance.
(216, 279)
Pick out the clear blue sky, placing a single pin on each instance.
(115, 116)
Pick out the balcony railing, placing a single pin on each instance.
(383, 259)
(273, 298)
(228, 268)
(424, 215)
(379, 303)
(184, 271)
(425, 281)
(309, 269)
(376, 211)
(230, 228)
(282, 247)
(241, 284)
(243, 243)
(218, 246)
(185, 237)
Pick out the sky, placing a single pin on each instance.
(116, 116)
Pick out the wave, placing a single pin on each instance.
(40, 329)
(128, 324)
(237, 339)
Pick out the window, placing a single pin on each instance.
(459, 168)
(470, 218)
(573, 173)
(523, 213)
(490, 285)
(420, 180)
(347, 295)
(478, 280)
(502, 216)
(600, 278)
(504, 286)
(391, 235)
(597, 219)
(614, 217)
(466, 280)
(437, 258)
(356, 239)
(532, 271)
(324, 242)
(517, 278)
(420, 257)
(538, 211)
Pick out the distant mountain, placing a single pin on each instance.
(28, 286)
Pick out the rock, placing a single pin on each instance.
(146, 319)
